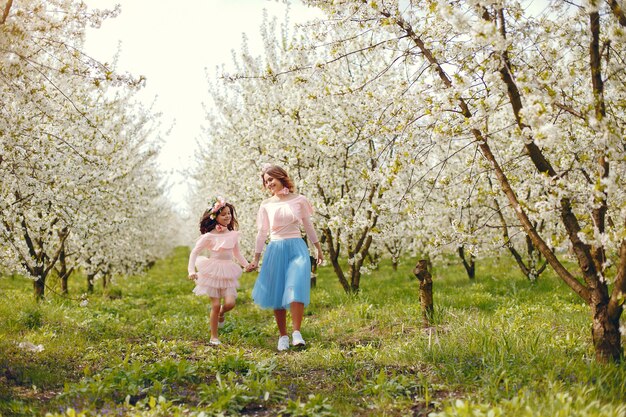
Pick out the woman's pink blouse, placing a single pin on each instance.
(282, 219)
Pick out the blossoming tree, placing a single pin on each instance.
(542, 99)
(72, 153)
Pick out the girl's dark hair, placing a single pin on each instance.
(280, 174)
(207, 223)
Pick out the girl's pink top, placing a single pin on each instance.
(282, 219)
(223, 246)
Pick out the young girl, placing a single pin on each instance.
(218, 275)
(285, 278)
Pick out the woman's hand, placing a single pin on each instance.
(254, 264)
(320, 256)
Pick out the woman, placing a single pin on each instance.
(284, 280)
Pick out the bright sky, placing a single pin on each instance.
(174, 45)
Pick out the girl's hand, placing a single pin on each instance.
(193, 277)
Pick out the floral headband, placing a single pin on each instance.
(216, 206)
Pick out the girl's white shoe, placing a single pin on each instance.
(214, 342)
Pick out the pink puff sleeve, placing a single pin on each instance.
(263, 227)
(306, 211)
(237, 253)
(203, 242)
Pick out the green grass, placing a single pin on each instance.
(499, 346)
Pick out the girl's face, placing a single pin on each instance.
(224, 217)
(272, 184)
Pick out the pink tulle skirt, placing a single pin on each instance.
(216, 277)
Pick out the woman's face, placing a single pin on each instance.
(272, 184)
(224, 216)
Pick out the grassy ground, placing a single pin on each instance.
(500, 346)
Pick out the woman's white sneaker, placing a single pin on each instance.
(297, 339)
(283, 343)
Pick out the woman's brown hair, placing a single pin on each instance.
(280, 174)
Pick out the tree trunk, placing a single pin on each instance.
(470, 266)
(606, 336)
(313, 261)
(63, 272)
(355, 277)
(333, 253)
(37, 253)
(39, 286)
(64, 289)
(426, 291)
(90, 278)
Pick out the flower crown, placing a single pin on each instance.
(216, 206)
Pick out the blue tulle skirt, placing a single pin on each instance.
(285, 275)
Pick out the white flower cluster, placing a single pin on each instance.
(79, 182)
(404, 130)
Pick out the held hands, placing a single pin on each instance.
(193, 277)
(251, 267)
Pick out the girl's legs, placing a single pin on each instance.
(215, 312)
(229, 304)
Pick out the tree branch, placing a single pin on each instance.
(334, 259)
(7, 9)
(618, 12)
(570, 110)
(54, 259)
(505, 233)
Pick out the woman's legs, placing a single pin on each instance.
(285, 277)
(297, 312)
(281, 321)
